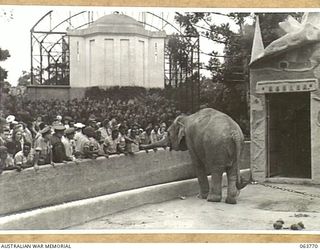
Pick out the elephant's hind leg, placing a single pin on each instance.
(232, 192)
(203, 182)
(215, 193)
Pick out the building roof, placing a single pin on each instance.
(116, 19)
(298, 35)
(116, 24)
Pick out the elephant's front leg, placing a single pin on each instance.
(201, 175)
(232, 192)
(215, 193)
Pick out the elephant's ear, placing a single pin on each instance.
(182, 135)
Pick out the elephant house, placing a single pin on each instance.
(285, 103)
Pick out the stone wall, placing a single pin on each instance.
(47, 92)
(30, 189)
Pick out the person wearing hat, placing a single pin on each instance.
(6, 161)
(79, 138)
(90, 148)
(58, 149)
(69, 143)
(58, 119)
(92, 121)
(67, 119)
(10, 118)
(42, 146)
(11, 123)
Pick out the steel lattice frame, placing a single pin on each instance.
(50, 50)
(50, 57)
(183, 72)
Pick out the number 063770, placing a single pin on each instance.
(308, 245)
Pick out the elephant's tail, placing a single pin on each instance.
(239, 143)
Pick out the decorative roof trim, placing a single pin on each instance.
(282, 86)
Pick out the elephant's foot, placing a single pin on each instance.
(202, 195)
(214, 198)
(231, 200)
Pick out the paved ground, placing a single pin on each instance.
(257, 209)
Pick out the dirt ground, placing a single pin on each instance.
(257, 209)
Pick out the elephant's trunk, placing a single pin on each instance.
(162, 143)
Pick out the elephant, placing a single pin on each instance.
(214, 141)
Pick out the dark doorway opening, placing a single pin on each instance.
(289, 141)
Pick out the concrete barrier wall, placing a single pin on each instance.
(89, 178)
(60, 92)
(29, 189)
(47, 92)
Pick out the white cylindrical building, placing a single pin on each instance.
(116, 50)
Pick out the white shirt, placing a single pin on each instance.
(69, 146)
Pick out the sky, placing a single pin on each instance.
(15, 37)
(15, 31)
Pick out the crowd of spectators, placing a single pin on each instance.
(39, 132)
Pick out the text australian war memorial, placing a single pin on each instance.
(115, 50)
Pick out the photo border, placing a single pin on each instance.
(173, 3)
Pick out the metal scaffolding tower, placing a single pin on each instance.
(50, 54)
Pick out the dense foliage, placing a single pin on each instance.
(228, 87)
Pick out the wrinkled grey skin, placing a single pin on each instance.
(215, 142)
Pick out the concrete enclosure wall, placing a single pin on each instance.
(30, 189)
(47, 92)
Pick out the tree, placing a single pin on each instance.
(182, 71)
(231, 72)
(4, 54)
(269, 25)
(4, 85)
(25, 79)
